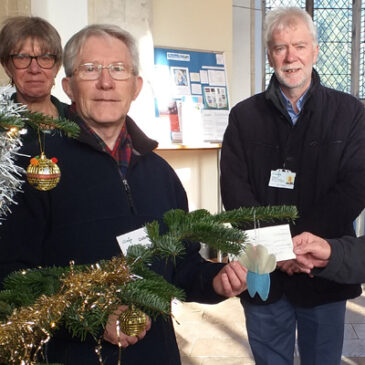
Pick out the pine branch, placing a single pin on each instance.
(152, 292)
(165, 246)
(7, 122)
(16, 115)
(140, 253)
(87, 323)
(264, 214)
(7, 305)
(22, 288)
(168, 245)
(220, 237)
(37, 121)
(166, 290)
(82, 297)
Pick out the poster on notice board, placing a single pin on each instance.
(191, 94)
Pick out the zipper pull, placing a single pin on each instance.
(129, 195)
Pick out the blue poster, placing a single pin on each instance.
(193, 82)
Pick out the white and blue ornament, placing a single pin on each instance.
(259, 263)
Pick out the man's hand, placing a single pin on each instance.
(311, 251)
(114, 335)
(231, 280)
(289, 266)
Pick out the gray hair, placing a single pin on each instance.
(76, 42)
(283, 17)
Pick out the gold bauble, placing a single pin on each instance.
(43, 173)
(133, 321)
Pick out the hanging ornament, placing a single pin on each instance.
(133, 321)
(259, 263)
(43, 173)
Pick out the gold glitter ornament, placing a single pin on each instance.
(43, 173)
(133, 321)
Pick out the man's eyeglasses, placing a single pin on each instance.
(22, 61)
(92, 71)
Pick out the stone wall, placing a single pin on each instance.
(135, 16)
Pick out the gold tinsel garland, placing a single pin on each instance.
(28, 328)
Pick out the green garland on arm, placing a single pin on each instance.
(37, 121)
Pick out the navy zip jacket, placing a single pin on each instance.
(80, 219)
(326, 150)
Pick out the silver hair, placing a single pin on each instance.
(283, 17)
(76, 42)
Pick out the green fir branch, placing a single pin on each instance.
(7, 122)
(146, 289)
(157, 296)
(165, 290)
(139, 253)
(176, 220)
(37, 121)
(88, 323)
(168, 245)
(23, 288)
(218, 236)
(269, 214)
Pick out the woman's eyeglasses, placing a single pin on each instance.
(21, 61)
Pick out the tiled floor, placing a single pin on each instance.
(215, 334)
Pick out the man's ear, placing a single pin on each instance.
(315, 54)
(66, 84)
(138, 86)
(269, 59)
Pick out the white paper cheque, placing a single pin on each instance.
(277, 240)
(137, 237)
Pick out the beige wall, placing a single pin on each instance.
(198, 173)
(198, 25)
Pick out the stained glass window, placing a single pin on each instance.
(334, 25)
(362, 53)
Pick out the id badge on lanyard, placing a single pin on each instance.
(282, 178)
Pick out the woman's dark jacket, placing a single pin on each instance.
(326, 150)
(80, 219)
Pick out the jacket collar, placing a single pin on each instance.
(140, 142)
(274, 95)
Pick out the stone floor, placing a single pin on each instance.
(215, 334)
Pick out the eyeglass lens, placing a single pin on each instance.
(24, 60)
(92, 71)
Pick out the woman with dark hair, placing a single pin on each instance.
(31, 54)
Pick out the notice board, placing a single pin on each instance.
(191, 91)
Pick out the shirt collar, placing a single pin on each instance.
(289, 107)
(122, 150)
